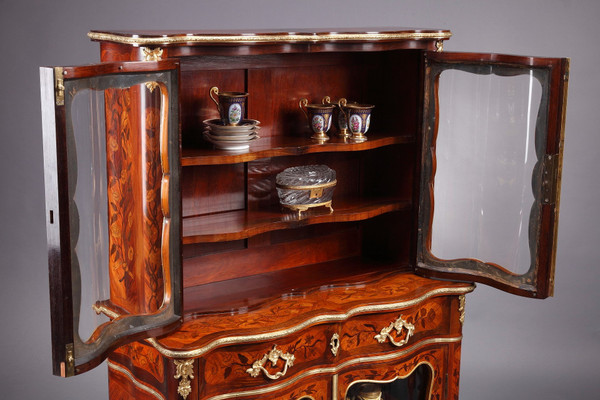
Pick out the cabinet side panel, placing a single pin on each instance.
(134, 210)
(453, 371)
(138, 369)
(123, 384)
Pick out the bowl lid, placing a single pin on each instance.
(305, 175)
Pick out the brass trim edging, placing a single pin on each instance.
(461, 308)
(267, 38)
(561, 152)
(335, 369)
(137, 383)
(334, 385)
(319, 319)
(309, 187)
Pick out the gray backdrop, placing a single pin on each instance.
(513, 347)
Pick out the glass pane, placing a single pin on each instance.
(91, 249)
(113, 147)
(485, 155)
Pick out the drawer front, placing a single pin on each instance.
(390, 331)
(314, 388)
(265, 363)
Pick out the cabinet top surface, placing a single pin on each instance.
(232, 37)
(298, 308)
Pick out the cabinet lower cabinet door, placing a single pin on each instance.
(429, 373)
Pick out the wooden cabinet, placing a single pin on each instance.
(175, 260)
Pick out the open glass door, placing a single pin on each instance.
(490, 179)
(113, 208)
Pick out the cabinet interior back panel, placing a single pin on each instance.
(195, 102)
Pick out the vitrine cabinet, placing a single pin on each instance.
(174, 261)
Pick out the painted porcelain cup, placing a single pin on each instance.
(319, 118)
(231, 105)
(358, 117)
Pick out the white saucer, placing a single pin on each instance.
(229, 138)
(229, 145)
(217, 132)
(216, 125)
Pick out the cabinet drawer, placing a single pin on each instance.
(374, 333)
(268, 362)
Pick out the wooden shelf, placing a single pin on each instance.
(286, 146)
(244, 294)
(242, 224)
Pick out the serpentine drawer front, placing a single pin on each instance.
(400, 329)
(278, 363)
(273, 361)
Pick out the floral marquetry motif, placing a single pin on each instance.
(144, 357)
(135, 216)
(153, 216)
(121, 171)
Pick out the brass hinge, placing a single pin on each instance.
(549, 176)
(68, 367)
(59, 86)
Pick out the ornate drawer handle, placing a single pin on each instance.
(274, 355)
(398, 325)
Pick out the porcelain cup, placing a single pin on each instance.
(319, 118)
(231, 105)
(358, 117)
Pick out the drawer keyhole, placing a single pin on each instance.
(335, 344)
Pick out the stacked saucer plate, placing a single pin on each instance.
(227, 137)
